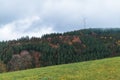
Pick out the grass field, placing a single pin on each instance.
(105, 69)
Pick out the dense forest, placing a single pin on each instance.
(59, 48)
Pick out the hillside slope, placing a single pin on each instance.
(59, 48)
(106, 69)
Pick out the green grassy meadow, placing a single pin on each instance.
(105, 69)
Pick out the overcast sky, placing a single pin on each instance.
(37, 17)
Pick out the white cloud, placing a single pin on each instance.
(62, 15)
(18, 28)
(99, 13)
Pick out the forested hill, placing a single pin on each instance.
(56, 48)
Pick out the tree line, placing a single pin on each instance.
(57, 48)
